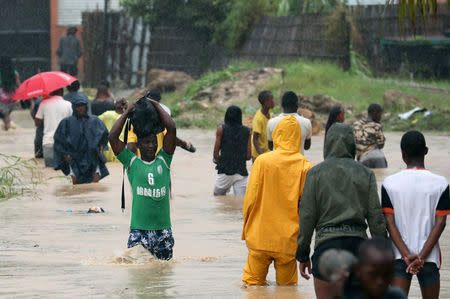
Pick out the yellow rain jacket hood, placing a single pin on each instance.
(273, 192)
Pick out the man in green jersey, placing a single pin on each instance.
(149, 178)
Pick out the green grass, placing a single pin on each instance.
(312, 78)
(214, 78)
(436, 122)
(209, 79)
(205, 118)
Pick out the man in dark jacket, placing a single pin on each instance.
(340, 194)
(79, 143)
(69, 51)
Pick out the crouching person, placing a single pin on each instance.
(149, 178)
(78, 148)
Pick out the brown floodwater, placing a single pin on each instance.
(50, 247)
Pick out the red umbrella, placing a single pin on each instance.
(42, 84)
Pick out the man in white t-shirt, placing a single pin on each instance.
(289, 103)
(51, 111)
(416, 203)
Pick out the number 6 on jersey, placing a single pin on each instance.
(151, 181)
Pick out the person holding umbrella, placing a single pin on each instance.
(53, 109)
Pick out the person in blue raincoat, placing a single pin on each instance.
(79, 143)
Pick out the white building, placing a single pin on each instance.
(69, 11)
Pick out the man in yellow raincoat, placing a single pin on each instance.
(271, 207)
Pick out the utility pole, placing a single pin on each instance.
(105, 40)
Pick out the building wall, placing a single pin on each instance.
(365, 2)
(69, 11)
(64, 13)
(25, 35)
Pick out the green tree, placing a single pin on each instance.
(153, 12)
(201, 16)
(410, 9)
(233, 31)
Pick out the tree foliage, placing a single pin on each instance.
(201, 16)
(316, 6)
(225, 22)
(233, 31)
(410, 9)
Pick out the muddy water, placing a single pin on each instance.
(51, 247)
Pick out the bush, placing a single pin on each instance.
(233, 31)
(201, 16)
(18, 176)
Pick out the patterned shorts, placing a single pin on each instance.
(158, 242)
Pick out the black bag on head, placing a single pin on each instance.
(145, 119)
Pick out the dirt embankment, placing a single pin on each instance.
(243, 87)
(247, 85)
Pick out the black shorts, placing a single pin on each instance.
(428, 276)
(350, 244)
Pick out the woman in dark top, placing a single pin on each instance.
(337, 115)
(103, 101)
(231, 151)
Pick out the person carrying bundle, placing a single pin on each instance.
(149, 175)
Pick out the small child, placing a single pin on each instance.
(415, 204)
(260, 144)
(149, 178)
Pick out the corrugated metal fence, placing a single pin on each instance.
(25, 35)
(377, 22)
(130, 54)
(175, 49)
(275, 39)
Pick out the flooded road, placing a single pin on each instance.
(50, 247)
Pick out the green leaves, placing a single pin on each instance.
(223, 22)
(18, 176)
(410, 9)
(283, 9)
(233, 31)
(201, 16)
